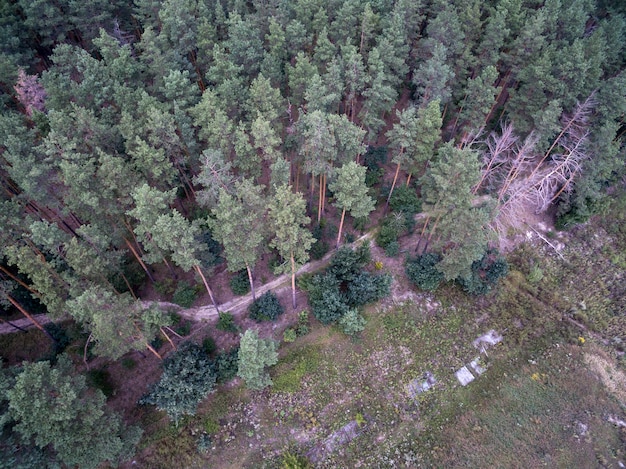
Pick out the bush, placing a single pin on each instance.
(390, 229)
(290, 335)
(367, 288)
(184, 295)
(208, 345)
(240, 283)
(404, 199)
(266, 308)
(294, 461)
(188, 377)
(352, 322)
(226, 322)
(227, 364)
(347, 263)
(327, 302)
(422, 271)
(303, 323)
(485, 273)
(392, 249)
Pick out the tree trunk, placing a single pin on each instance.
(251, 282)
(343, 214)
(206, 285)
(27, 287)
(320, 199)
(293, 281)
(29, 316)
(393, 184)
(408, 179)
(140, 260)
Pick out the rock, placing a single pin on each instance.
(464, 376)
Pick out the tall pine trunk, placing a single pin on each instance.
(293, 281)
(343, 215)
(206, 285)
(251, 282)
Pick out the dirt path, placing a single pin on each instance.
(235, 306)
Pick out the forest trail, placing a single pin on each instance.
(235, 306)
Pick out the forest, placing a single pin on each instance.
(158, 155)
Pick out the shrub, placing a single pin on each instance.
(180, 325)
(352, 322)
(367, 288)
(485, 273)
(226, 322)
(303, 323)
(375, 157)
(404, 199)
(422, 271)
(347, 263)
(204, 443)
(392, 249)
(289, 335)
(240, 283)
(208, 345)
(227, 364)
(129, 363)
(184, 295)
(294, 461)
(188, 376)
(390, 229)
(327, 302)
(266, 308)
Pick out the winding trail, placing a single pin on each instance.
(235, 306)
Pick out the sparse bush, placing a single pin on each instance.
(226, 322)
(101, 379)
(294, 461)
(303, 323)
(422, 272)
(535, 275)
(392, 249)
(266, 308)
(240, 283)
(204, 443)
(184, 295)
(188, 376)
(289, 335)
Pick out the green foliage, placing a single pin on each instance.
(289, 335)
(239, 283)
(367, 288)
(392, 249)
(266, 308)
(404, 199)
(390, 230)
(204, 443)
(188, 377)
(327, 303)
(346, 263)
(294, 461)
(254, 355)
(352, 322)
(485, 273)
(184, 295)
(53, 407)
(319, 247)
(303, 323)
(128, 363)
(208, 345)
(422, 271)
(226, 322)
(227, 364)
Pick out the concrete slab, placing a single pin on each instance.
(464, 376)
(475, 365)
(487, 340)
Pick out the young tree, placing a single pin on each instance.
(54, 407)
(287, 214)
(239, 225)
(188, 377)
(254, 355)
(351, 193)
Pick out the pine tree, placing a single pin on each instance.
(254, 355)
(287, 215)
